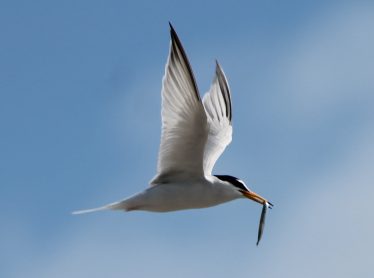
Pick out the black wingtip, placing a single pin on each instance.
(219, 71)
(177, 50)
(218, 66)
(173, 34)
(225, 89)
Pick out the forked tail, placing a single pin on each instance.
(121, 205)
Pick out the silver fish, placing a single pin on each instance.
(262, 221)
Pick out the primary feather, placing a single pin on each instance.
(217, 104)
(184, 123)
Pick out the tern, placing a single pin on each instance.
(195, 132)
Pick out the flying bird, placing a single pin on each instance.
(195, 132)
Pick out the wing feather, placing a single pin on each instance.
(217, 104)
(184, 122)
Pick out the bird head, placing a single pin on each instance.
(244, 190)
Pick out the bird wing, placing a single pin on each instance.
(217, 104)
(184, 122)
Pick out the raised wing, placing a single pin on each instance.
(217, 103)
(184, 122)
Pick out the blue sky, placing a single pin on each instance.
(80, 125)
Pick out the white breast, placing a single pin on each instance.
(178, 196)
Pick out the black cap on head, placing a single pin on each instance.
(234, 181)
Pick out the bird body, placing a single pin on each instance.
(194, 134)
(180, 195)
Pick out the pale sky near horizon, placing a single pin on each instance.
(80, 120)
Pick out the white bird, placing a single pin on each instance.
(195, 133)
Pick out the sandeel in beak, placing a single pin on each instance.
(261, 226)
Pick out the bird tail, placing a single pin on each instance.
(121, 205)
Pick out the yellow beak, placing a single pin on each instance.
(255, 197)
